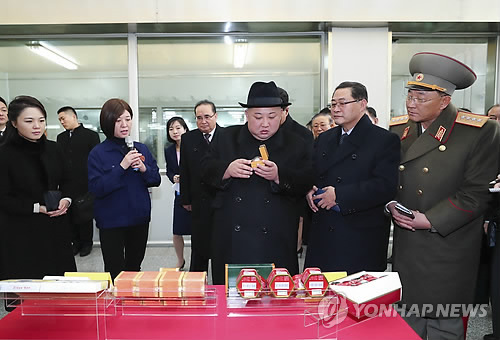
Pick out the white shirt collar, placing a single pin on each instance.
(211, 134)
(348, 132)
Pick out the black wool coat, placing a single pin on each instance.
(364, 172)
(33, 244)
(256, 220)
(194, 191)
(76, 151)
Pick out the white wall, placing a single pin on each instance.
(152, 11)
(363, 55)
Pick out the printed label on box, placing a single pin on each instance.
(249, 285)
(281, 285)
(316, 285)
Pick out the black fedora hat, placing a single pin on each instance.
(264, 95)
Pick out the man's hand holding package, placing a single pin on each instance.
(239, 168)
(268, 171)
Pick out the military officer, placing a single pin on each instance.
(447, 159)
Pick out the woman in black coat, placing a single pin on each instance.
(176, 127)
(35, 241)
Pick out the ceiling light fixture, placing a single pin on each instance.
(240, 53)
(51, 53)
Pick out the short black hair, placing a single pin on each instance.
(358, 90)
(23, 102)
(172, 121)
(284, 97)
(205, 102)
(110, 112)
(3, 101)
(16, 107)
(67, 108)
(325, 110)
(371, 111)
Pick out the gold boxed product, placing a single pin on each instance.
(170, 284)
(147, 284)
(125, 283)
(263, 156)
(193, 284)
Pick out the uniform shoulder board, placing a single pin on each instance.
(399, 120)
(471, 119)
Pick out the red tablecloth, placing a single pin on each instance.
(210, 323)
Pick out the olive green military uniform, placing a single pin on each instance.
(444, 173)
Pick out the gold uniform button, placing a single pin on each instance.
(419, 192)
(425, 170)
(401, 167)
(442, 147)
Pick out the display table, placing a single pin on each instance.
(199, 323)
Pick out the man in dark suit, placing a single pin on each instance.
(3, 118)
(76, 143)
(195, 195)
(306, 135)
(492, 230)
(448, 157)
(289, 123)
(356, 165)
(256, 217)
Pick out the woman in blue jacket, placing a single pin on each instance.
(119, 177)
(176, 127)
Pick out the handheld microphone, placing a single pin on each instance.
(130, 145)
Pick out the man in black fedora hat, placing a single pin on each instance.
(448, 157)
(255, 218)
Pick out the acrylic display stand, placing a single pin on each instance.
(175, 317)
(44, 313)
(319, 314)
(106, 317)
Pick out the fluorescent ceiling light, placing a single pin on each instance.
(51, 53)
(239, 53)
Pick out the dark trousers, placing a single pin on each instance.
(201, 236)
(495, 286)
(123, 248)
(82, 234)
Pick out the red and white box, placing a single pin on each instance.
(280, 283)
(315, 282)
(368, 292)
(249, 283)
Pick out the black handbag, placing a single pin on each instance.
(51, 199)
(82, 208)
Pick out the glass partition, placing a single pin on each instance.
(175, 73)
(471, 51)
(81, 73)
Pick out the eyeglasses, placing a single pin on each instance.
(205, 117)
(332, 105)
(416, 100)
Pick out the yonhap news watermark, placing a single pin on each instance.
(333, 310)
